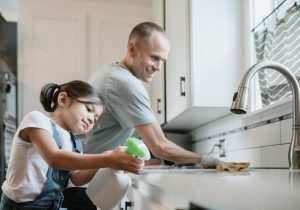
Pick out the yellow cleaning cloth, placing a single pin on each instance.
(232, 166)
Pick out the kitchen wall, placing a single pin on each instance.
(262, 137)
(63, 40)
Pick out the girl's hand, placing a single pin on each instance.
(119, 160)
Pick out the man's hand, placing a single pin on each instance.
(209, 162)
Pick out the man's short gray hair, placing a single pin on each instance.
(145, 30)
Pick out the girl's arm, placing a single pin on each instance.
(81, 177)
(66, 160)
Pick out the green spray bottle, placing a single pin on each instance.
(137, 148)
(109, 186)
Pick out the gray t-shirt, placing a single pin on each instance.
(127, 105)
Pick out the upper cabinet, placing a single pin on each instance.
(157, 86)
(157, 96)
(62, 40)
(205, 61)
(178, 63)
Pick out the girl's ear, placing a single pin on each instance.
(62, 99)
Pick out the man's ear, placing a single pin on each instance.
(131, 48)
(62, 99)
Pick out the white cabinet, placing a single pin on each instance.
(204, 62)
(157, 86)
(178, 63)
(139, 197)
(62, 40)
(158, 96)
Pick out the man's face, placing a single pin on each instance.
(149, 56)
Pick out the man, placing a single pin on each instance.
(128, 105)
(127, 102)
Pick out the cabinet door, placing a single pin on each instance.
(205, 60)
(157, 87)
(52, 49)
(139, 201)
(177, 65)
(158, 97)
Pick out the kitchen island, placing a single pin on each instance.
(181, 188)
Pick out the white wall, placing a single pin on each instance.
(63, 40)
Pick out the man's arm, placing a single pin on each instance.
(162, 147)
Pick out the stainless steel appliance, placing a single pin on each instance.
(8, 91)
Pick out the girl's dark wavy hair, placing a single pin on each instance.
(75, 89)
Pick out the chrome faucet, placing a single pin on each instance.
(240, 99)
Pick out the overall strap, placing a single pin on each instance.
(56, 135)
(51, 195)
(77, 145)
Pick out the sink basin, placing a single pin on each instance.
(269, 167)
(171, 169)
(195, 169)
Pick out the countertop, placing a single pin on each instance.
(247, 189)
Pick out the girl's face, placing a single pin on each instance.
(79, 116)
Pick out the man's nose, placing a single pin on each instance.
(158, 65)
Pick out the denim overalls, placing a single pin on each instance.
(51, 196)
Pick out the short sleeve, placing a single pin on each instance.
(36, 119)
(129, 102)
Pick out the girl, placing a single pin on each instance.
(45, 153)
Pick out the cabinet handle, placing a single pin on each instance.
(195, 207)
(182, 86)
(158, 108)
(128, 204)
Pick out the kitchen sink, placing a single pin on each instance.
(269, 168)
(172, 169)
(195, 168)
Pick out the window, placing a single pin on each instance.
(275, 38)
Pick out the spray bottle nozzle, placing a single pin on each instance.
(136, 147)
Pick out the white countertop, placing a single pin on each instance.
(247, 189)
